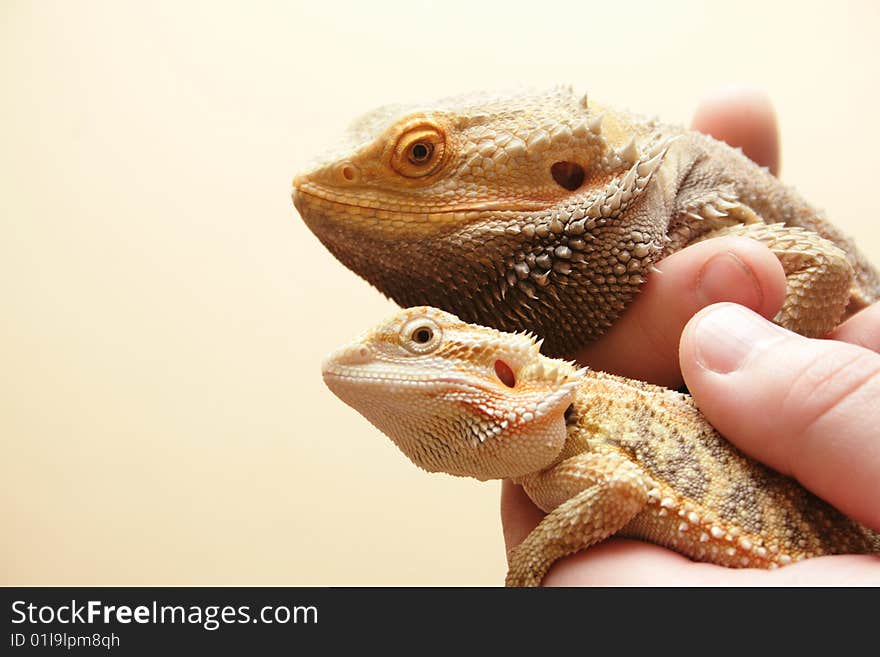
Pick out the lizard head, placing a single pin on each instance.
(504, 209)
(456, 397)
(407, 170)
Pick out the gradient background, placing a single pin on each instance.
(164, 309)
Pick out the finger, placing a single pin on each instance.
(862, 329)
(745, 118)
(624, 562)
(519, 515)
(643, 343)
(807, 408)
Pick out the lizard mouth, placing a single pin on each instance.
(351, 377)
(306, 194)
(351, 383)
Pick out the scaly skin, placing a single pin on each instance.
(601, 454)
(544, 212)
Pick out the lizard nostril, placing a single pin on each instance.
(348, 172)
(568, 174)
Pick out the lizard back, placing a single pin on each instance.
(708, 500)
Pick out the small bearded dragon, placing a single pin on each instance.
(600, 454)
(545, 212)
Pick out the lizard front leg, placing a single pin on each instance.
(818, 275)
(611, 491)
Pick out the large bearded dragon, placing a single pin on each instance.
(545, 212)
(599, 453)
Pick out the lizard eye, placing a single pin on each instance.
(423, 335)
(420, 336)
(419, 152)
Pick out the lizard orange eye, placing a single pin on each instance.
(419, 152)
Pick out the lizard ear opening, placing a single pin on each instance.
(569, 175)
(504, 373)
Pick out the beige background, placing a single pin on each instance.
(162, 416)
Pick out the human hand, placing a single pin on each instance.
(739, 270)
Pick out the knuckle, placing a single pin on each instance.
(829, 384)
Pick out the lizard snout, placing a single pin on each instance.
(348, 356)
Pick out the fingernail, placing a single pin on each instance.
(725, 277)
(728, 334)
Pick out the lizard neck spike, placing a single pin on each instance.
(630, 152)
(647, 167)
(629, 179)
(584, 102)
(595, 124)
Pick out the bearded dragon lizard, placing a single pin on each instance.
(600, 454)
(545, 212)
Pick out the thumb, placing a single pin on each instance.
(807, 408)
